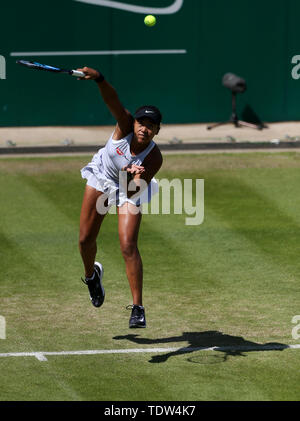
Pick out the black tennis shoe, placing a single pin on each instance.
(137, 318)
(97, 293)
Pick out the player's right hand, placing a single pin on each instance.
(90, 74)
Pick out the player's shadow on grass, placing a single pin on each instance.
(228, 345)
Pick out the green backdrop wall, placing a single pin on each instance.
(255, 39)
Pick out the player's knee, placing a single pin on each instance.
(128, 248)
(86, 239)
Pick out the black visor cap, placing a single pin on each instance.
(149, 112)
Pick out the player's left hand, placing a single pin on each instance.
(134, 169)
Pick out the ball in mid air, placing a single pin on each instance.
(150, 20)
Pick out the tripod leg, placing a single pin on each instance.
(252, 126)
(218, 124)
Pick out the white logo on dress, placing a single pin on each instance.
(169, 10)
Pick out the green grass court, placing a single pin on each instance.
(234, 280)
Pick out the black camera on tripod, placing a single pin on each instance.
(236, 85)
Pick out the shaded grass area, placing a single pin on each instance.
(233, 279)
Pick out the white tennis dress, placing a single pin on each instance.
(102, 172)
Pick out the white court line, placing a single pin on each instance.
(92, 53)
(169, 10)
(41, 356)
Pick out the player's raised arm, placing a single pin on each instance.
(111, 99)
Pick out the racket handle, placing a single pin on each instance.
(77, 73)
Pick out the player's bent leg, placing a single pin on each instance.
(129, 224)
(90, 222)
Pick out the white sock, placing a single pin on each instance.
(90, 279)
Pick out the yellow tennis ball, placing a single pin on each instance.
(150, 20)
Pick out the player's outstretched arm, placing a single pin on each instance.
(111, 99)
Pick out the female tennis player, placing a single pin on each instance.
(130, 150)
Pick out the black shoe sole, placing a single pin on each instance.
(137, 327)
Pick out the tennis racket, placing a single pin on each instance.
(45, 67)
